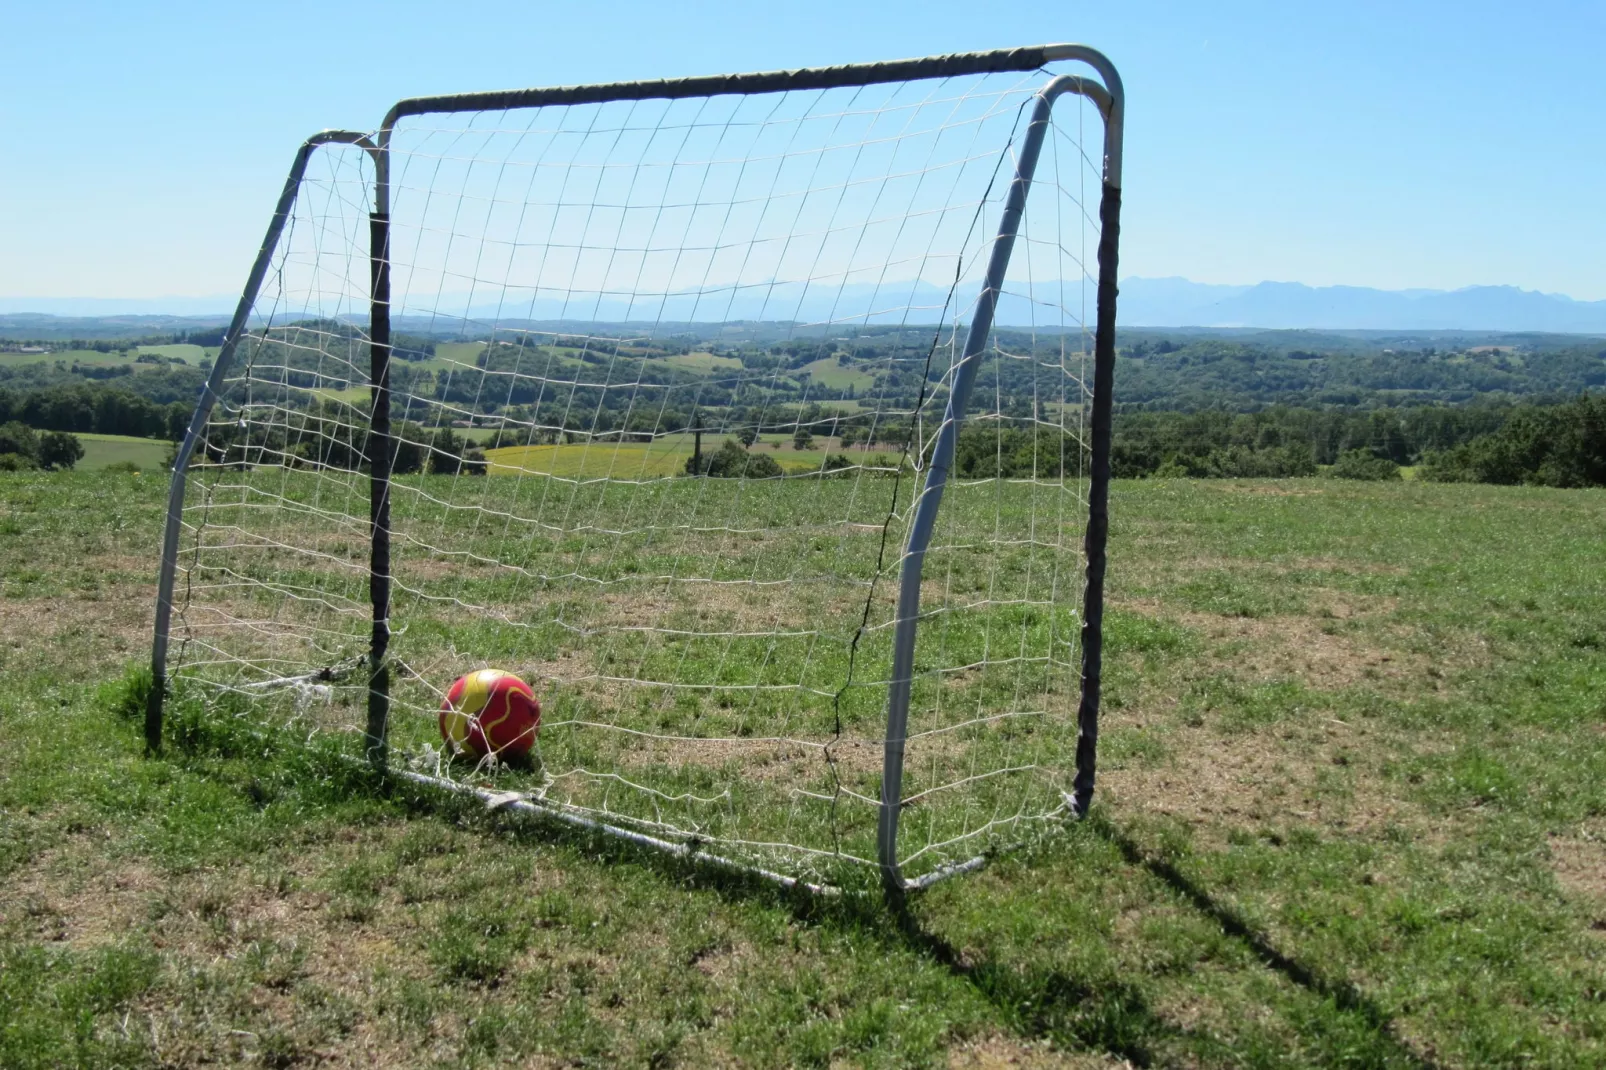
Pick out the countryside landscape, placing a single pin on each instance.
(737, 549)
(1350, 808)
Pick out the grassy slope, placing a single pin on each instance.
(190, 354)
(829, 373)
(1351, 813)
(704, 362)
(102, 450)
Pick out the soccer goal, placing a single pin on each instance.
(759, 422)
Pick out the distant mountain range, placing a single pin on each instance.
(1175, 302)
(1165, 302)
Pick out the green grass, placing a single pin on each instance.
(830, 373)
(100, 451)
(1351, 809)
(704, 362)
(453, 354)
(68, 357)
(351, 395)
(189, 354)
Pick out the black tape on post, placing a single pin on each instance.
(381, 454)
(1098, 506)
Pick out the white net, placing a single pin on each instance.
(666, 375)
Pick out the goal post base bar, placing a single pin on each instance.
(525, 805)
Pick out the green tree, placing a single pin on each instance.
(1364, 464)
(731, 461)
(1554, 446)
(19, 441)
(59, 449)
(802, 439)
(410, 448)
(446, 453)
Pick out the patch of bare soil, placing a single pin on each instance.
(112, 625)
(276, 942)
(1325, 652)
(997, 1052)
(1301, 648)
(1580, 866)
(1216, 782)
(1161, 556)
(1338, 564)
(65, 896)
(758, 759)
(1268, 489)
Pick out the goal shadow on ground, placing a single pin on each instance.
(1092, 1009)
(1096, 1012)
(1340, 991)
(1116, 1017)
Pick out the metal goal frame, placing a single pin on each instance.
(1104, 91)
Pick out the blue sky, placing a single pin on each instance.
(1398, 145)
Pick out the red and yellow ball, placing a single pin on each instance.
(490, 712)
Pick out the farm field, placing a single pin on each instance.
(830, 373)
(1352, 812)
(66, 356)
(190, 354)
(665, 456)
(149, 454)
(704, 362)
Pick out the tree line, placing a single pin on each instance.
(21, 447)
(94, 407)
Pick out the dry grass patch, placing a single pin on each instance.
(998, 1052)
(1301, 648)
(108, 626)
(1579, 863)
(1214, 782)
(1270, 490)
(72, 894)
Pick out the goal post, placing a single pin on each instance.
(760, 421)
(211, 392)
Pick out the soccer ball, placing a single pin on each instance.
(490, 712)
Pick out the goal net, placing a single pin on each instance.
(667, 377)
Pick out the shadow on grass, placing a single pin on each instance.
(1342, 993)
(1104, 1014)
(1098, 1010)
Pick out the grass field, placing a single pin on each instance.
(149, 454)
(1352, 812)
(66, 356)
(830, 373)
(704, 362)
(188, 353)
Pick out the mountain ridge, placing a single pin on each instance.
(1166, 302)
(1178, 302)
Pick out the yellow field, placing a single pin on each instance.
(643, 460)
(596, 460)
